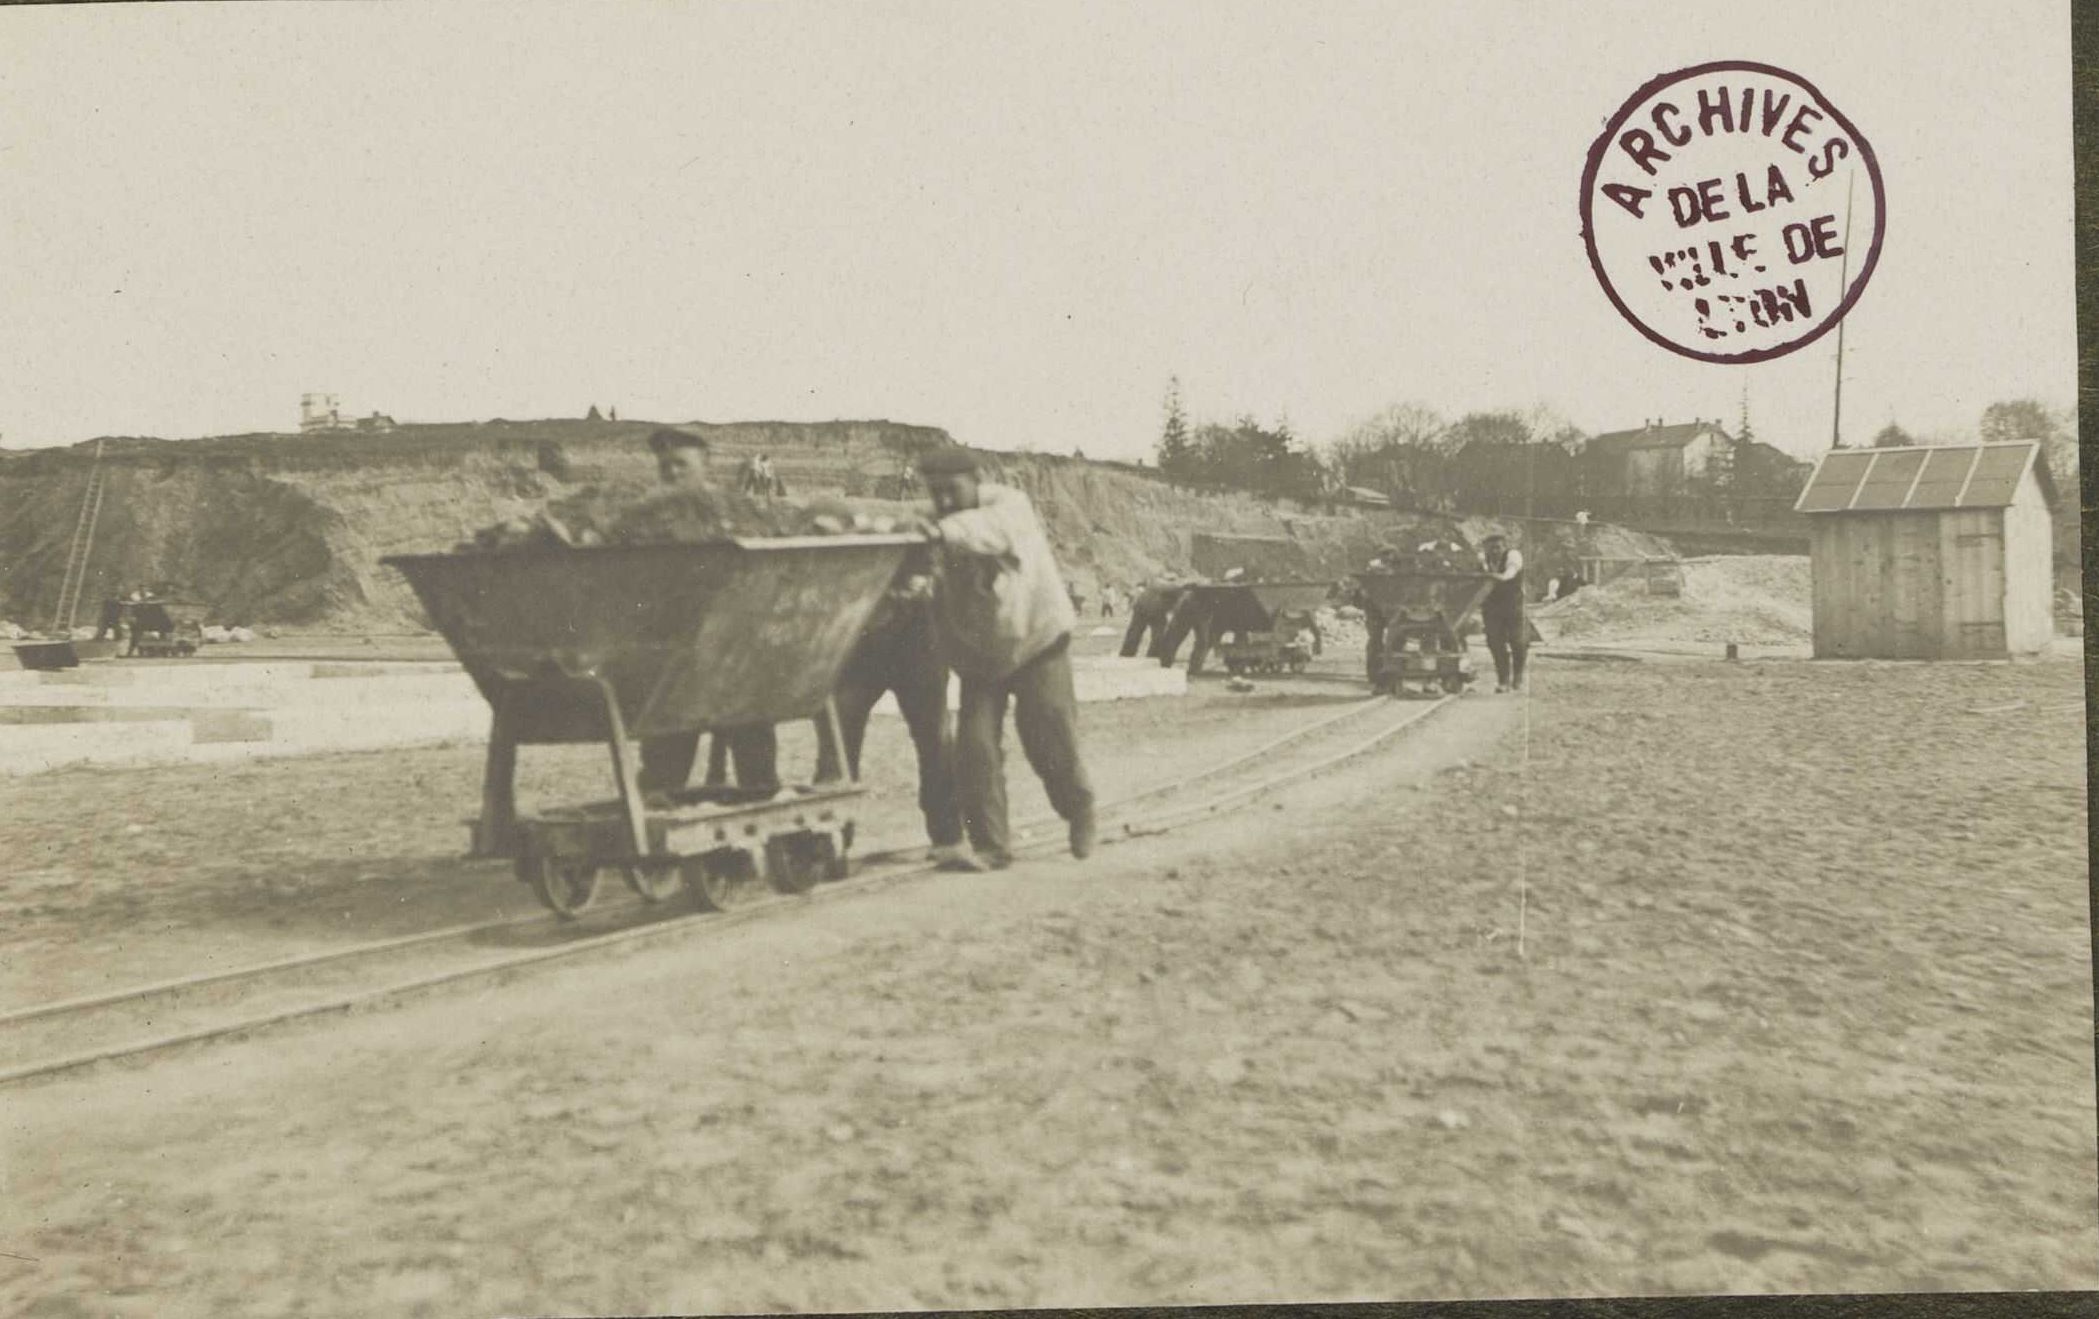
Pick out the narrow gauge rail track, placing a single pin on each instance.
(166, 1015)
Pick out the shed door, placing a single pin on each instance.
(1972, 548)
(1908, 590)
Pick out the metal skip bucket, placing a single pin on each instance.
(1252, 612)
(616, 644)
(686, 637)
(1422, 646)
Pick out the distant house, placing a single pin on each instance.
(1659, 458)
(1932, 553)
(320, 412)
(324, 412)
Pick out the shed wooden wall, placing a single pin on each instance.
(2029, 560)
(1925, 585)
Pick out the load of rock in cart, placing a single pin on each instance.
(689, 516)
(1443, 556)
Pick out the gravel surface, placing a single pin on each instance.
(1764, 599)
(1683, 978)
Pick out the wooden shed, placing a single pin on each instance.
(1944, 552)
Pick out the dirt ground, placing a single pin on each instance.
(119, 877)
(1672, 978)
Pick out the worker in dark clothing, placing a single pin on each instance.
(899, 651)
(1374, 621)
(1502, 616)
(666, 761)
(1150, 612)
(112, 620)
(1190, 619)
(1208, 617)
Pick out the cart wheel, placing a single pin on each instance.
(655, 883)
(797, 862)
(1454, 685)
(725, 879)
(568, 887)
(1299, 665)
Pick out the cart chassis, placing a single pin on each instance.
(717, 842)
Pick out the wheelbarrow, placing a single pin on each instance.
(617, 644)
(1419, 646)
(1263, 619)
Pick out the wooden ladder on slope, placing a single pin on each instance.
(75, 579)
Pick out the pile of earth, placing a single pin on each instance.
(612, 515)
(1757, 599)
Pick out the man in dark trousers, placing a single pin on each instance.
(1508, 631)
(1207, 618)
(1373, 620)
(682, 458)
(1150, 612)
(899, 651)
(1005, 628)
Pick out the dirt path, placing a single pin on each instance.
(120, 877)
(1697, 979)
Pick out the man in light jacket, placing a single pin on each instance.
(1005, 628)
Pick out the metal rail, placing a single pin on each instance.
(1163, 822)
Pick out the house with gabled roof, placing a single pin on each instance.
(1940, 552)
(1659, 458)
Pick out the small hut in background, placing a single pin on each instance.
(1932, 553)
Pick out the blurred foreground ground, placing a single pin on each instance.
(1672, 978)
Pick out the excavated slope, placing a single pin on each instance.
(289, 529)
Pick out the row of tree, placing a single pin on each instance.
(1534, 463)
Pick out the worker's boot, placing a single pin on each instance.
(1082, 834)
(967, 861)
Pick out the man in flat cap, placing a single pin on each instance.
(666, 762)
(1005, 628)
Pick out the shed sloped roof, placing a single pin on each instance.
(1923, 479)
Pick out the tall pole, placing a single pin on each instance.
(1836, 420)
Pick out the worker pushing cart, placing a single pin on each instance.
(1502, 616)
(1005, 627)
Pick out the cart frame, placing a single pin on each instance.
(551, 688)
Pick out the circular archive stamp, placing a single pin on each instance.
(1732, 214)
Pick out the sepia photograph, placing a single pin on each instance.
(701, 657)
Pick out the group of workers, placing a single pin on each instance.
(983, 600)
(1170, 611)
(136, 616)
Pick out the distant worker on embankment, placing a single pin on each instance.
(1005, 628)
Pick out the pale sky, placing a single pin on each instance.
(1012, 221)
